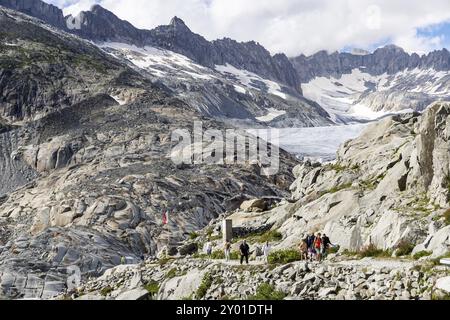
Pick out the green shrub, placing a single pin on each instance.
(234, 255)
(209, 232)
(404, 248)
(332, 250)
(193, 235)
(218, 255)
(106, 290)
(421, 254)
(447, 217)
(267, 292)
(152, 287)
(372, 251)
(284, 256)
(204, 286)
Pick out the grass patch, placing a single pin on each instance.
(267, 292)
(261, 237)
(421, 254)
(284, 256)
(336, 189)
(217, 255)
(172, 273)
(337, 167)
(369, 184)
(204, 286)
(164, 261)
(270, 236)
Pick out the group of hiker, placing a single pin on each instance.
(314, 248)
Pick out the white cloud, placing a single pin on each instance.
(292, 26)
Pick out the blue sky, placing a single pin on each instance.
(296, 26)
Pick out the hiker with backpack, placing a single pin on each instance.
(318, 247)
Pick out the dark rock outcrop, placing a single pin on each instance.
(38, 9)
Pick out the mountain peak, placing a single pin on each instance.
(178, 23)
(99, 10)
(392, 47)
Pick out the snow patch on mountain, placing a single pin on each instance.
(273, 114)
(157, 61)
(251, 80)
(356, 96)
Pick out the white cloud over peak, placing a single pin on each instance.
(292, 26)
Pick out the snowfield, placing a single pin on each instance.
(319, 143)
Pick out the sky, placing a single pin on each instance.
(295, 27)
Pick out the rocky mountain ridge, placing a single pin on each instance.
(390, 59)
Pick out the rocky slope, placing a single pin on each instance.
(389, 186)
(384, 199)
(232, 95)
(85, 176)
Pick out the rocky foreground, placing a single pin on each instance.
(188, 279)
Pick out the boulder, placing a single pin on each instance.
(443, 284)
(188, 249)
(255, 205)
(134, 294)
